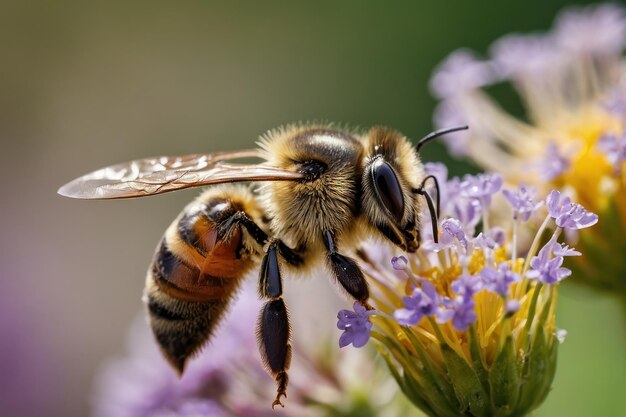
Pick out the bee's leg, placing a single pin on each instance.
(273, 331)
(242, 218)
(347, 272)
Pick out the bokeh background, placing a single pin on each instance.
(86, 84)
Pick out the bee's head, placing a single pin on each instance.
(392, 171)
(393, 186)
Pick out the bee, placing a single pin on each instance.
(318, 192)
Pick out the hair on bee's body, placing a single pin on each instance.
(323, 189)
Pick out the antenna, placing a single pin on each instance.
(423, 141)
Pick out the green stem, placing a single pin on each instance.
(535, 244)
(531, 311)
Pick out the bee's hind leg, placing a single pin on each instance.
(347, 272)
(273, 330)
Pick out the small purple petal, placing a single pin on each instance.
(449, 113)
(459, 72)
(569, 215)
(553, 163)
(467, 284)
(484, 242)
(460, 310)
(596, 30)
(355, 325)
(499, 235)
(498, 281)
(399, 263)
(511, 306)
(423, 302)
(452, 228)
(481, 187)
(560, 249)
(525, 56)
(522, 201)
(614, 148)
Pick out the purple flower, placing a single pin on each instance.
(614, 147)
(569, 215)
(459, 72)
(200, 408)
(553, 163)
(599, 30)
(452, 233)
(615, 103)
(449, 113)
(355, 325)
(560, 249)
(467, 285)
(460, 310)
(423, 302)
(481, 187)
(498, 281)
(518, 56)
(484, 242)
(451, 229)
(547, 269)
(399, 263)
(549, 272)
(142, 384)
(522, 201)
(512, 305)
(499, 235)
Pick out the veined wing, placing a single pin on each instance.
(150, 176)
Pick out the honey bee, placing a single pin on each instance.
(318, 190)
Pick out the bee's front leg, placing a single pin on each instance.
(273, 331)
(347, 272)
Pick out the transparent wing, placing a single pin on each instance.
(150, 176)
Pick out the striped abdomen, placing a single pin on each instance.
(194, 274)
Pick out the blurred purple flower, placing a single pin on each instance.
(423, 302)
(553, 163)
(498, 281)
(518, 56)
(447, 114)
(355, 325)
(499, 235)
(399, 263)
(615, 103)
(467, 284)
(522, 201)
(569, 215)
(614, 147)
(512, 305)
(144, 385)
(484, 242)
(599, 30)
(481, 187)
(459, 72)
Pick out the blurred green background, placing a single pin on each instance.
(86, 84)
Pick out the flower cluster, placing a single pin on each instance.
(468, 327)
(571, 82)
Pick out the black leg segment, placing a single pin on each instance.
(347, 272)
(273, 336)
(273, 330)
(270, 281)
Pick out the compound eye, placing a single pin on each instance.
(388, 188)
